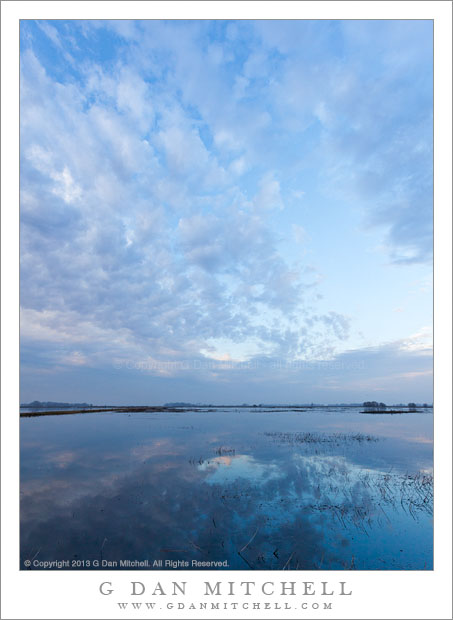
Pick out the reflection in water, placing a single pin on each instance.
(227, 469)
(223, 487)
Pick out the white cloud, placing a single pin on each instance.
(421, 341)
(66, 188)
(151, 183)
(238, 166)
(76, 358)
(269, 196)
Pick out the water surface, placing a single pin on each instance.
(326, 488)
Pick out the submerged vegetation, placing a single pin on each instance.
(307, 437)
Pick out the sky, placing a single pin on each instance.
(226, 211)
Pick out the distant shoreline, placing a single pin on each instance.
(195, 408)
(151, 409)
(33, 414)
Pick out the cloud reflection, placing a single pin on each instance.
(272, 506)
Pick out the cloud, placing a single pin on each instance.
(159, 168)
(369, 87)
(299, 233)
(220, 373)
(269, 196)
(52, 33)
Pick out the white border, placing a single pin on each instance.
(375, 594)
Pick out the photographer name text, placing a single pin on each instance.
(302, 590)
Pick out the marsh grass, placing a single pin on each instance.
(314, 438)
(353, 501)
(221, 451)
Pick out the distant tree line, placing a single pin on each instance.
(373, 404)
(37, 404)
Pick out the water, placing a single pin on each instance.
(327, 488)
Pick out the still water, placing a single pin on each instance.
(327, 488)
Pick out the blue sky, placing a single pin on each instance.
(226, 211)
